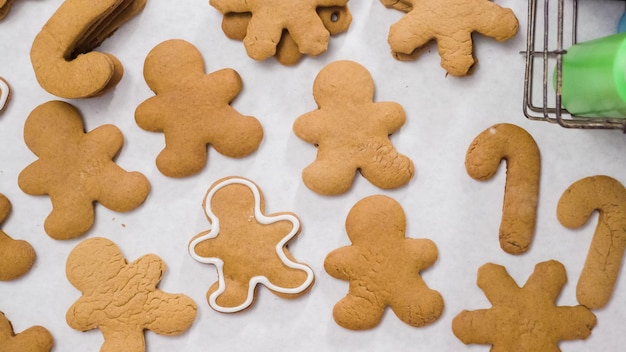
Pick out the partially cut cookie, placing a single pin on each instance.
(16, 256)
(34, 339)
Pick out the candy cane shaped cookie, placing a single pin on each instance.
(521, 193)
(5, 93)
(62, 56)
(607, 196)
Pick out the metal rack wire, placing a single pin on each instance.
(544, 52)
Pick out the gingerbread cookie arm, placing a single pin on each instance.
(607, 196)
(496, 22)
(521, 194)
(33, 339)
(16, 256)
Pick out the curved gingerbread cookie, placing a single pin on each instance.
(351, 132)
(76, 169)
(271, 17)
(192, 109)
(62, 55)
(33, 339)
(606, 196)
(521, 191)
(450, 23)
(5, 6)
(336, 19)
(248, 247)
(16, 256)
(523, 319)
(122, 299)
(383, 268)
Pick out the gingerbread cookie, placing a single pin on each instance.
(607, 196)
(33, 339)
(351, 132)
(5, 6)
(5, 93)
(76, 169)
(62, 53)
(383, 268)
(193, 110)
(524, 319)
(270, 18)
(122, 299)
(336, 19)
(16, 256)
(521, 192)
(248, 247)
(450, 23)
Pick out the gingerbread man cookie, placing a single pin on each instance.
(270, 18)
(76, 169)
(192, 109)
(122, 299)
(248, 247)
(450, 23)
(33, 339)
(523, 319)
(336, 19)
(62, 55)
(383, 268)
(16, 256)
(351, 132)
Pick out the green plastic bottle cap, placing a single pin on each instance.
(594, 78)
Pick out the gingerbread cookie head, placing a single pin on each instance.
(351, 133)
(193, 110)
(383, 268)
(16, 256)
(76, 169)
(336, 19)
(270, 18)
(524, 319)
(62, 56)
(122, 299)
(33, 339)
(450, 23)
(248, 247)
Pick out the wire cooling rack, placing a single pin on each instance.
(548, 23)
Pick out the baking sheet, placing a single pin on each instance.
(442, 202)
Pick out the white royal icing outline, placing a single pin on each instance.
(261, 218)
(4, 93)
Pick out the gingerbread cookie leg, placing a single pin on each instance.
(607, 196)
(521, 193)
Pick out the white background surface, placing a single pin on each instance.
(442, 202)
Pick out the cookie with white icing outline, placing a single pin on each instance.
(248, 247)
(5, 93)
